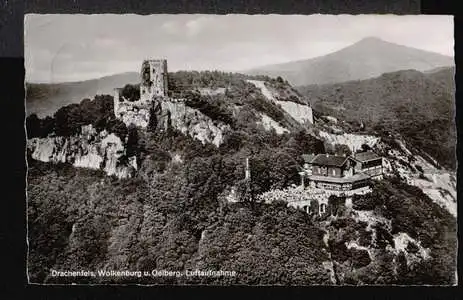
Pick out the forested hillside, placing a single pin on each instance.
(420, 107)
(44, 99)
(240, 105)
(175, 217)
(160, 215)
(174, 213)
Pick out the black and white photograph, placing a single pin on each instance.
(258, 150)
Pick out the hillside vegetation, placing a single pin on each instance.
(420, 107)
(175, 218)
(411, 212)
(174, 214)
(68, 120)
(240, 105)
(44, 99)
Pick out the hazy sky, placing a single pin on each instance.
(78, 47)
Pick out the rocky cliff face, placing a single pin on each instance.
(270, 124)
(438, 183)
(301, 113)
(190, 121)
(90, 149)
(174, 113)
(139, 118)
(170, 112)
(353, 141)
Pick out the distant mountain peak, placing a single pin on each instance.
(369, 57)
(371, 39)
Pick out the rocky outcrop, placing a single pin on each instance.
(270, 124)
(402, 240)
(190, 121)
(330, 119)
(169, 112)
(263, 88)
(90, 149)
(139, 118)
(301, 113)
(353, 141)
(441, 187)
(438, 184)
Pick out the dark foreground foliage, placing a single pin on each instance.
(175, 223)
(173, 216)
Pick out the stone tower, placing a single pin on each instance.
(153, 79)
(153, 86)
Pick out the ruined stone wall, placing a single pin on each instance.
(132, 112)
(167, 112)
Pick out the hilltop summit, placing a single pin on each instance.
(367, 58)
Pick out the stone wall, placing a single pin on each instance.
(136, 112)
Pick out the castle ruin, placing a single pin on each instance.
(153, 79)
(153, 89)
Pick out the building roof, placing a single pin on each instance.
(329, 160)
(366, 156)
(308, 157)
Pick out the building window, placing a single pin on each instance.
(324, 171)
(322, 208)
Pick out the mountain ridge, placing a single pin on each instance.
(364, 59)
(45, 98)
(368, 58)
